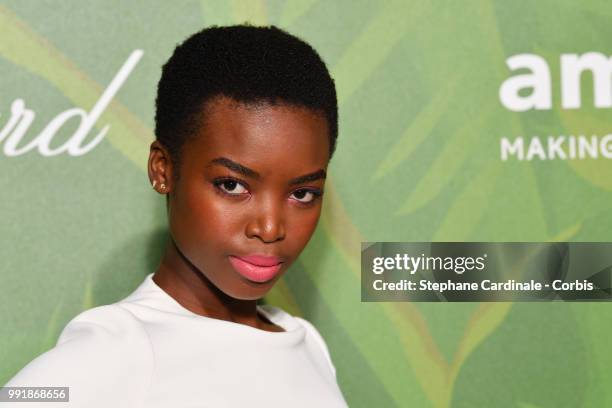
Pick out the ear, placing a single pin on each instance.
(160, 168)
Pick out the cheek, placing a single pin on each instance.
(201, 220)
(212, 215)
(303, 226)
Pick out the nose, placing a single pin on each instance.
(267, 222)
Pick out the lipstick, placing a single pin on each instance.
(256, 268)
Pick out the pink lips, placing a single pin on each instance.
(257, 268)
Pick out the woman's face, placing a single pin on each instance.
(250, 184)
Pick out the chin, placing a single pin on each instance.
(243, 289)
(247, 295)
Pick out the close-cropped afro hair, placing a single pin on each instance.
(249, 64)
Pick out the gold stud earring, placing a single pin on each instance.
(163, 187)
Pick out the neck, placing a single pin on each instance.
(192, 290)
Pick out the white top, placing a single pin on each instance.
(147, 350)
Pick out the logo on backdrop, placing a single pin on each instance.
(532, 90)
(21, 118)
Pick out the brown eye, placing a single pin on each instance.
(229, 186)
(306, 196)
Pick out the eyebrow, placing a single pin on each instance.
(245, 171)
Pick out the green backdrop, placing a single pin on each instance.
(418, 159)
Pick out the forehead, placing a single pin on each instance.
(262, 136)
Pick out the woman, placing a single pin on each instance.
(246, 123)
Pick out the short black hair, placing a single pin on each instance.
(249, 64)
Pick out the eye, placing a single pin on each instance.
(306, 196)
(230, 186)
